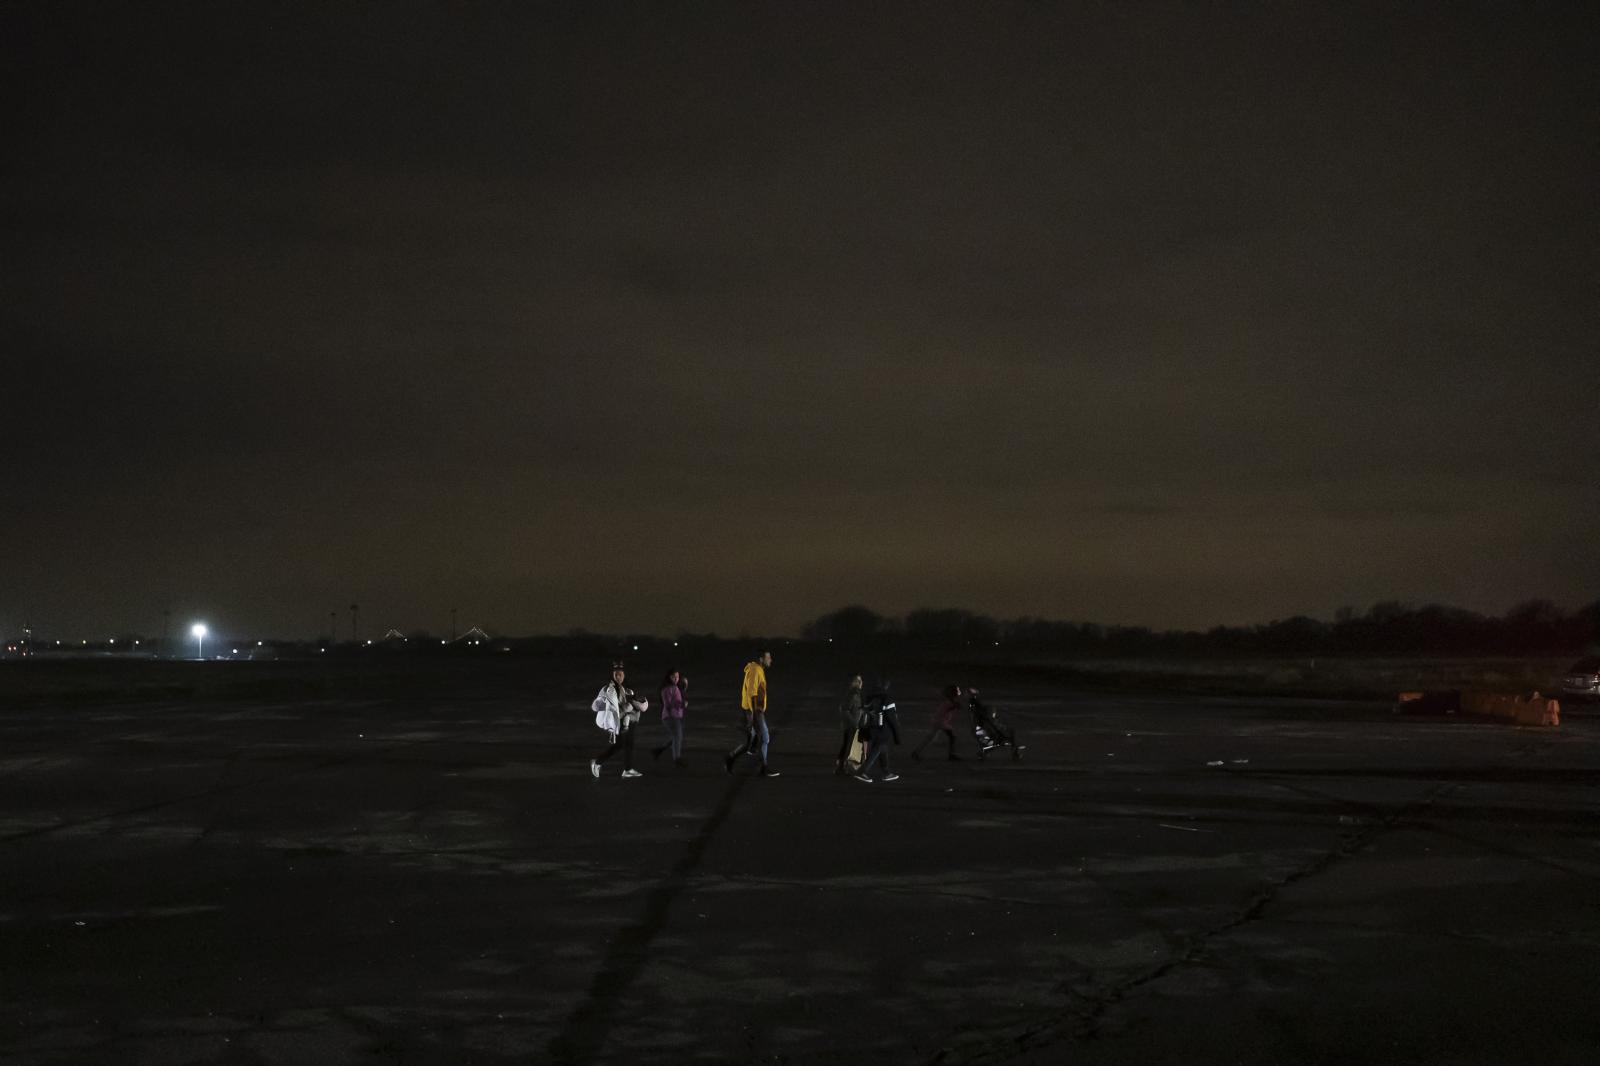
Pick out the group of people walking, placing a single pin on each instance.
(870, 723)
(871, 726)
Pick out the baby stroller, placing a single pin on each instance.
(987, 730)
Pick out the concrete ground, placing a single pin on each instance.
(427, 880)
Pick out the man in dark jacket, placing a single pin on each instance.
(883, 728)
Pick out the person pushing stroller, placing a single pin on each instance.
(944, 721)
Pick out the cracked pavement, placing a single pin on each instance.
(436, 878)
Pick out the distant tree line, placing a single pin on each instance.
(1537, 627)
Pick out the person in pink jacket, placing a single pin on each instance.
(674, 701)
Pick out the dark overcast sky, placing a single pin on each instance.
(706, 316)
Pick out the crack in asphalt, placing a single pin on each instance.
(1081, 1022)
(585, 1029)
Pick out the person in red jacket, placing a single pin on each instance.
(944, 721)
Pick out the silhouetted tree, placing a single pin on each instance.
(848, 625)
(950, 627)
(1587, 625)
(1389, 628)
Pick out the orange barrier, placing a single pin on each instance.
(1538, 711)
(1533, 709)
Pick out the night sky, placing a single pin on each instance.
(717, 317)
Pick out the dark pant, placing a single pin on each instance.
(757, 738)
(623, 740)
(935, 731)
(674, 744)
(879, 738)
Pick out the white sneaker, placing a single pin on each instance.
(864, 777)
(891, 777)
(631, 773)
(594, 768)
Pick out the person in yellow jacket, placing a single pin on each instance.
(753, 702)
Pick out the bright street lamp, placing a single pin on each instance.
(199, 632)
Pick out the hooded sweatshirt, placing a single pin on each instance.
(753, 695)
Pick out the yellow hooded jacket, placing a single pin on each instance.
(753, 696)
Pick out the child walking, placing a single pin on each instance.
(674, 701)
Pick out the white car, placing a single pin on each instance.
(1582, 680)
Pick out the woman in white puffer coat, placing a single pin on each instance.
(617, 711)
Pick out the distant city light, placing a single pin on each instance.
(199, 631)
